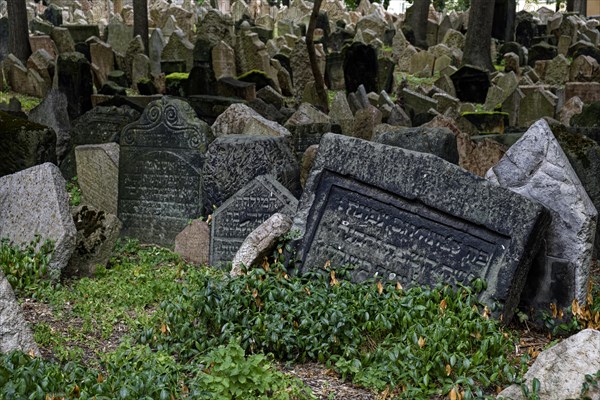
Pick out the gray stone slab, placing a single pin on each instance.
(98, 175)
(160, 166)
(437, 141)
(15, 334)
(417, 219)
(232, 161)
(536, 167)
(243, 212)
(35, 202)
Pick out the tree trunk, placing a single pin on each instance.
(140, 21)
(312, 56)
(18, 31)
(417, 18)
(479, 35)
(579, 6)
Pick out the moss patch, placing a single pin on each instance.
(177, 76)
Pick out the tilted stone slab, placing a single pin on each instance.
(417, 219)
(15, 334)
(536, 167)
(243, 212)
(35, 202)
(160, 171)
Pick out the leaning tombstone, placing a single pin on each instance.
(160, 164)
(536, 167)
(243, 212)
(414, 218)
(35, 202)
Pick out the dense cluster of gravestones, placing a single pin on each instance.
(403, 188)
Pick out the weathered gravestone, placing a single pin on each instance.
(52, 112)
(35, 202)
(15, 334)
(360, 67)
(193, 242)
(98, 175)
(471, 84)
(75, 81)
(3, 38)
(438, 141)
(232, 161)
(245, 211)
(160, 164)
(97, 234)
(536, 167)
(24, 144)
(416, 219)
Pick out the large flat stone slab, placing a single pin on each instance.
(417, 219)
(536, 167)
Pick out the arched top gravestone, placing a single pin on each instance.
(160, 185)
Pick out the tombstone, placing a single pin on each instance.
(104, 59)
(416, 219)
(237, 120)
(243, 212)
(341, 114)
(471, 84)
(360, 67)
(160, 164)
(179, 48)
(52, 112)
(156, 44)
(97, 234)
(75, 81)
(234, 160)
(15, 334)
(193, 243)
(223, 60)
(307, 125)
(541, 51)
(43, 42)
(119, 35)
(3, 38)
(437, 141)
(98, 175)
(63, 40)
(35, 202)
(536, 167)
(557, 71)
(536, 104)
(525, 29)
(24, 144)
(216, 27)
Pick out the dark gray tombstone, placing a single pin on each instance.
(471, 84)
(232, 161)
(417, 219)
(160, 164)
(75, 81)
(3, 38)
(245, 211)
(360, 67)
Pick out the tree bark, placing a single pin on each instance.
(479, 35)
(417, 22)
(140, 21)
(18, 31)
(312, 56)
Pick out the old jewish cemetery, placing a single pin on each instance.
(297, 200)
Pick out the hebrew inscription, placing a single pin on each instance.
(398, 239)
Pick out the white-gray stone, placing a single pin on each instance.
(15, 334)
(35, 202)
(260, 241)
(561, 369)
(98, 175)
(240, 119)
(536, 167)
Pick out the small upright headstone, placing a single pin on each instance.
(35, 202)
(52, 112)
(75, 81)
(536, 167)
(98, 175)
(414, 218)
(245, 211)
(193, 242)
(471, 84)
(360, 67)
(160, 164)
